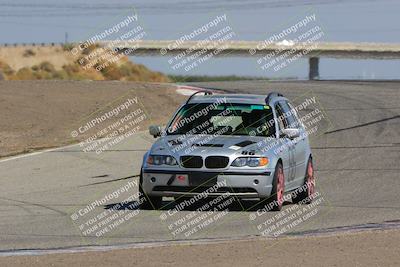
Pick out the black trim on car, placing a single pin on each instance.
(200, 189)
(267, 173)
(245, 143)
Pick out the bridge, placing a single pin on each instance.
(259, 49)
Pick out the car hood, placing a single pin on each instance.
(180, 145)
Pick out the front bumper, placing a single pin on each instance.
(175, 183)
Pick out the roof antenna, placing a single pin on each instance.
(205, 93)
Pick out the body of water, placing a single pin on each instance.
(24, 21)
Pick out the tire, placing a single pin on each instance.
(275, 201)
(306, 196)
(148, 202)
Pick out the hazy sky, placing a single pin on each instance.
(352, 20)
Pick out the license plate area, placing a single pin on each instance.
(203, 179)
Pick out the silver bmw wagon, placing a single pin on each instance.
(248, 146)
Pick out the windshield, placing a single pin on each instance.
(223, 119)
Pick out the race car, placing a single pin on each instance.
(249, 146)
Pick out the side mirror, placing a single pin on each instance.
(155, 130)
(290, 133)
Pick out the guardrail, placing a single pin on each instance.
(314, 51)
(30, 44)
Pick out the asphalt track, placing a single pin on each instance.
(356, 153)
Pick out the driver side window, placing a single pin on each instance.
(282, 122)
(289, 114)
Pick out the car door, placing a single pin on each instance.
(288, 153)
(299, 144)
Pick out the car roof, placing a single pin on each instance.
(234, 98)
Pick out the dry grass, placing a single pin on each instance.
(47, 63)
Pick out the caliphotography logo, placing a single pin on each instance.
(201, 133)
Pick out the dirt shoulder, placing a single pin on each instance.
(375, 248)
(42, 114)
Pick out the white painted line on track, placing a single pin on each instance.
(179, 87)
(36, 153)
(95, 248)
(189, 90)
(58, 148)
(389, 225)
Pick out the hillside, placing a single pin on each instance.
(57, 62)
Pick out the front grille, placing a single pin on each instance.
(192, 161)
(216, 162)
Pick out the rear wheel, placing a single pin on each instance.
(147, 202)
(305, 194)
(275, 201)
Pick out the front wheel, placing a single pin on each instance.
(275, 201)
(305, 194)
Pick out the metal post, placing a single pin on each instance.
(314, 71)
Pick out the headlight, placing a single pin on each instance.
(250, 162)
(160, 160)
